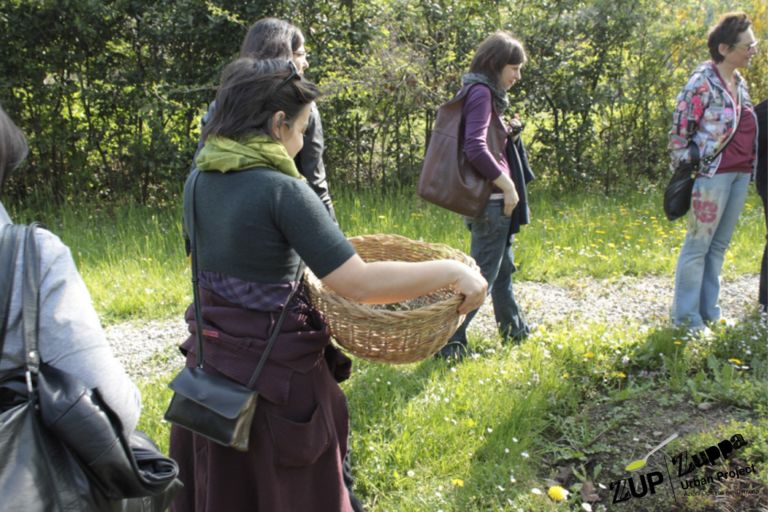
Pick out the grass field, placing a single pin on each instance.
(133, 261)
(571, 406)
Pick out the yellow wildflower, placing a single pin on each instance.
(458, 482)
(557, 493)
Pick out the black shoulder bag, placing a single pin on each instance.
(677, 194)
(209, 405)
(67, 446)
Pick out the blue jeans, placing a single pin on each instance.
(492, 250)
(715, 207)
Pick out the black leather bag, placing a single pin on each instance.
(209, 405)
(677, 195)
(212, 406)
(68, 446)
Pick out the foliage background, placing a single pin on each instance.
(110, 92)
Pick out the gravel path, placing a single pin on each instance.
(148, 348)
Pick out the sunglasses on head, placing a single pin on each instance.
(294, 74)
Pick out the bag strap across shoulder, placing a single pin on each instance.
(31, 299)
(737, 114)
(10, 239)
(189, 193)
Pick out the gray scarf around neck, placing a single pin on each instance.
(500, 100)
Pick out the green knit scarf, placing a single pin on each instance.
(223, 155)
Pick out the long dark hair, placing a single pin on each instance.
(13, 147)
(271, 38)
(252, 91)
(498, 50)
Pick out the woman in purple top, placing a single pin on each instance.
(494, 149)
(713, 126)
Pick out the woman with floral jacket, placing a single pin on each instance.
(714, 127)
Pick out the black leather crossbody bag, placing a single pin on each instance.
(214, 406)
(62, 446)
(677, 194)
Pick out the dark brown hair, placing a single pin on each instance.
(13, 147)
(271, 38)
(727, 31)
(252, 91)
(498, 50)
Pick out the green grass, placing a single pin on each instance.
(579, 401)
(133, 262)
(481, 435)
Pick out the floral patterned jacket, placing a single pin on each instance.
(704, 117)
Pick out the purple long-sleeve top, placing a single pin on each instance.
(477, 112)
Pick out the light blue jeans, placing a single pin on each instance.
(492, 250)
(716, 204)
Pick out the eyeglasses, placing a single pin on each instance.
(747, 46)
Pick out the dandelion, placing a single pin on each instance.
(678, 342)
(411, 473)
(536, 491)
(458, 482)
(557, 493)
(566, 375)
(589, 355)
(735, 361)
(619, 375)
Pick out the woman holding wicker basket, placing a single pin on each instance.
(256, 220)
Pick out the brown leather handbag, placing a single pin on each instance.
(447, 178)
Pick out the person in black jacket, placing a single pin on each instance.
(761, 182)
(271, 38)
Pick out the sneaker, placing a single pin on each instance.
(454, 350)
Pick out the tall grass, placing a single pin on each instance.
(131, 258)
(133, 261)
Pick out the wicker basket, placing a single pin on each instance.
(405, 335)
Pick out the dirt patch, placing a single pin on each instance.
(593, 449)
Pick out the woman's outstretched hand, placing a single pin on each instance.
(473, 286)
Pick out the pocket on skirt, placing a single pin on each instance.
(299, 444)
